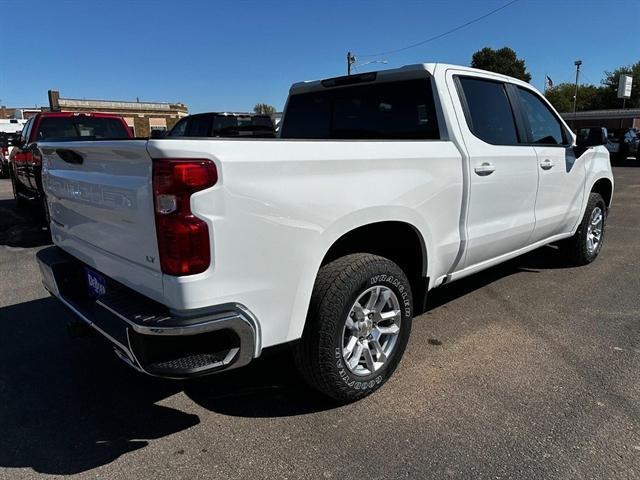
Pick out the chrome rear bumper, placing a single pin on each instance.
(147, 335)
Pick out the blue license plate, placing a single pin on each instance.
(96, 283)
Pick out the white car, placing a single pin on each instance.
(8, 128)
(193, 255)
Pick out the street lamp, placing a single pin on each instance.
(577, 63)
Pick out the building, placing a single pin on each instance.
(610, 119)
(142, 117)
(20, 113)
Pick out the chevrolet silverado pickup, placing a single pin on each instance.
(192, 255)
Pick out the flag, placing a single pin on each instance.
(548, 81)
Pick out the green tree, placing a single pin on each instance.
(610, 87)
(561, 97)
(264, 109)
(504, 61)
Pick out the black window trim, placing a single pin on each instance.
(566, 137)
(515, 110)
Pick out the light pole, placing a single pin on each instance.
(350, 61)
(577, 63)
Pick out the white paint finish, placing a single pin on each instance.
(105, 202)
(560, 191)
(279, 205)
(501, 201)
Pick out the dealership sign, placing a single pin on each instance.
(624, 86)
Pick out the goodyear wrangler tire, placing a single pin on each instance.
(357, 328)
(585, 245)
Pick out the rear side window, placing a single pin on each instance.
(180, 129)
(395, 111)
(199, 126)
(489, 114)
(26, 131)
(544, 127)
(81, 128)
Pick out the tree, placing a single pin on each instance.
(610, 87)
(561, 97)
(264, 109)
(504, 61)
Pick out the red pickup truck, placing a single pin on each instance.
(25, 161)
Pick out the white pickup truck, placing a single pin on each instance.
(193, 255)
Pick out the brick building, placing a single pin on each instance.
(142, 117)
(20, 113)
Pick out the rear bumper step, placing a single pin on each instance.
(144, 333)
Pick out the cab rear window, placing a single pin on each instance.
(81, 128)
(402, 110)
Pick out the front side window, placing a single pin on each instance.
(544, 127)
(489, 114)
(402, 110)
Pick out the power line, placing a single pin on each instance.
(459, 27)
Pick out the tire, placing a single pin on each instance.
(585, 245)
(335, 320)
(20, 202)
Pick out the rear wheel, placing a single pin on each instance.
(585, 245)
(20, 201)
(357, 328)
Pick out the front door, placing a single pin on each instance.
(561, 175)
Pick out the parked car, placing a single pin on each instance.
(193, 255)
(4, 155)
(9, 127)
(26, 158)
(226, 125)
(623, 143)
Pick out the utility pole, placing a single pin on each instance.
(350, 61)
(577, 63)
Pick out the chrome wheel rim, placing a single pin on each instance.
(594, 229)
(371, 330)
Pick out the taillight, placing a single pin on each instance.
(32, 157)
(183, 239)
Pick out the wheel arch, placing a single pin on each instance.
(399, 241)
(604, 186)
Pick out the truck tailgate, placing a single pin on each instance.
(101, 203)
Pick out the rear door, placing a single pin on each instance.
(100, 199)
(561, 176)
(503, 172)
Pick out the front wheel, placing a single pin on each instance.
(585, 245)
(357, 328)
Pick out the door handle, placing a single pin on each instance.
(485, 169)
(546, 164)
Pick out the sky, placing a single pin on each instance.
(230, 55)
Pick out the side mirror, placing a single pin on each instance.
(592, 137)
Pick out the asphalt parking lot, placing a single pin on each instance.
(528, 370)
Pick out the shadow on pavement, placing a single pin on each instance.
(545, 258)
(68, 406)
(23, 228)
(268, 387)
